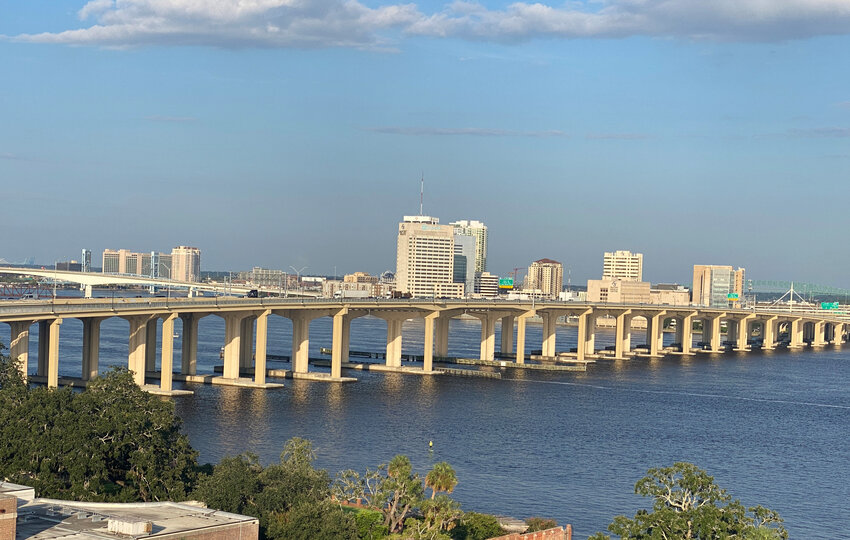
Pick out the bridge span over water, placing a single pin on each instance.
(246, 328)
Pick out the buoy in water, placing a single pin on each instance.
(430, 444)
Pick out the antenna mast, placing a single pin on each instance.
(421, 193)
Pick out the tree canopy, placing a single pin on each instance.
(687, 504)
(111, 442)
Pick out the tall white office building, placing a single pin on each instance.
(477, 230)
(623, 265)
(464, 269)
(424, 256)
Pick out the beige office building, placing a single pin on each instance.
(618, 291)
(424, 256)
(716, 286)
(185, 263)
(124, 261)
(547, 276)
(477, 230)
(623, 265)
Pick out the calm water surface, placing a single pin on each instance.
(771, 427)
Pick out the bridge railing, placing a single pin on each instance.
(117, 305)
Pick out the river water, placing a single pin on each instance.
(770, 427)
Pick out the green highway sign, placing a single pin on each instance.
(829, 305)
(732, 296)
(506, 283)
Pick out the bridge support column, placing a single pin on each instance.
(19, 345)
(507, 337)
(189, 354)
(428, 353)
(768, 335)
(520, 336)
(300, 342)
(585, 338)
(232, 344)
(441, 340)
(91, 347)
(549, 333)
(246, 343)
(687, 333)
(138, 347)
(53, 355)
(654, 334)
(818, 339)
(732, 331)
(680, 334)
(712, 324)
(488, 336)
(150, 345)
(43, 347)
(262, 345)
(340, 321)
(743, 333)
(837, 334)
(393, 356)
(622, 329)
(796, 334)
(166, 364)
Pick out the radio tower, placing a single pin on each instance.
(421, 193)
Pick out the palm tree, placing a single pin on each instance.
(441, 478)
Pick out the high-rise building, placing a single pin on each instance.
(547, 276)
(86, 260)
(717, 286)
(477, 230)
(424, 256)
(185, 263)
(464, 264)
(124, 261)
(623, 265)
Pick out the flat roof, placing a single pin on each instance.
(69, 520)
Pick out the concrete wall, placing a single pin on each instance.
(558, 533)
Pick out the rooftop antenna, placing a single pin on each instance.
(421, 193)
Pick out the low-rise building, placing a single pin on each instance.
(22, 515)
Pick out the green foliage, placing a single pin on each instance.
(398, 493)
(441, 477)
(233, 485)
(112, 442)
(475, 526)
(441, 513)
(540, 524)
(370, 524)
(306, 520)
(688, 504)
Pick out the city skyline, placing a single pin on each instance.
(691, 133)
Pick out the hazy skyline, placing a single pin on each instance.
(274, 133)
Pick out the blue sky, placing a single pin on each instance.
(276, 133)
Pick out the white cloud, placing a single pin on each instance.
(349, 23)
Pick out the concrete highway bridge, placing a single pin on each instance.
(246, 326)
(89, 280)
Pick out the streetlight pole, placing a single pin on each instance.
(298, 274)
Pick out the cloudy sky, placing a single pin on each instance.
(294, 132)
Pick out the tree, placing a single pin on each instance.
(689, 505)
(441, 513)
(233, 486)
(475, 526)
(321, 520)
(112, 442)
(398, 493)
(441, 478)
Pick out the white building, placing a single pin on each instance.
(185, 263)
(477, 230)
(547, 276)
(424, 255)
(623, 265)
(464, 263)
(487, 284)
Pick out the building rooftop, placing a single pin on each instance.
(48, 519)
